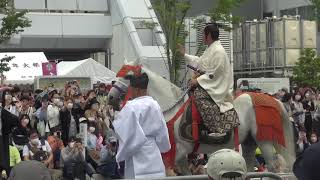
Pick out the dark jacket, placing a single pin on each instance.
(65, 119)
(307, 165)
(20, 135)
(8, 121)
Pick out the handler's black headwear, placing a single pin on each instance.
(140, 82)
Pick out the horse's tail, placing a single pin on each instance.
(287, 152)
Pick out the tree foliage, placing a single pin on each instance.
(316, 5)
(307, 69)
(13, 22)
(171, 14)
(222, 12)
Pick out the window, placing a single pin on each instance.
(288, 12)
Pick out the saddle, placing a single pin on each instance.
(185, 131)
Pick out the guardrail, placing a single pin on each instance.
(249, 176)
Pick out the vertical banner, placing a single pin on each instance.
(49, 69)
(83, 135)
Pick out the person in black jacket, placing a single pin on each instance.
(308, 106)
(307, 165)
(69, 120)
(20, 134)
(7, 122)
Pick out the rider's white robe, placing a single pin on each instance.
(218, 79)
(143, 136)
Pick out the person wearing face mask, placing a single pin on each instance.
(69, 122)
(297, 109)
(72, 160)
(20, 135)
(93, 114)
(53, 113)
(108, 166)
(308, 106)
(78, 105)
(92, 138)
(41, 116)
(37, 149)
(72, 152)
(10, 106)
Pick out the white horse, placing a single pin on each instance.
(167, 95)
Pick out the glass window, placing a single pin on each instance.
(307, 12)
(288, 12)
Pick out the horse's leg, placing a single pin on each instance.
(248, 152)
(268, 154)
(181, 160)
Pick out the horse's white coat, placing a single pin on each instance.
(167, 94)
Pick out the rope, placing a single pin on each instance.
(178, 101)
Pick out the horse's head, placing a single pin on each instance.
(120, 87)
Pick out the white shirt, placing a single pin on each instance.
(143, 136)
(53, 113)
(27, 152)
(218, 79)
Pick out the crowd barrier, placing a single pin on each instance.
(250, 176)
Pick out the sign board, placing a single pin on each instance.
(59, 82)
(49, 69)
(268, 85)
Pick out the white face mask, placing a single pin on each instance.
(35, 141)
(92, 129)
(56, 101)
(91, 118)
(70, 106)
(95, 107)
(71, 144)
(297, 97)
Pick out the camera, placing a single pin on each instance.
(198, 161)
(113, 144)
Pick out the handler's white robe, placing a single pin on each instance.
(143, 136)
(215, 62)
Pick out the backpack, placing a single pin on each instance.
(39, 154)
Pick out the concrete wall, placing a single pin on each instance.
(82, 5)
(275, 6)
(63, 31)
(129, 43)
(250, 9)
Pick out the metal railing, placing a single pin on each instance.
(249, 176)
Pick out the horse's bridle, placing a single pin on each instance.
(119, 89)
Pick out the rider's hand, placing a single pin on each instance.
(193, 82)
(182, 49)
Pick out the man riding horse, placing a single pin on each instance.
(213, 89)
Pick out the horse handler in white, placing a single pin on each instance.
(142, 132)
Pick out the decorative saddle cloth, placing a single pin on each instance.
(212, 121)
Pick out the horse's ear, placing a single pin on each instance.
(125, 61)
(137, 62)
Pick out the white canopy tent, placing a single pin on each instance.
(86, 68)
(24, 67)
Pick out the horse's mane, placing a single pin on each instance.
(162, 90)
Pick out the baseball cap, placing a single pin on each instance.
(226, 163)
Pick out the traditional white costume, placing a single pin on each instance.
(218, 79)
(143, 136)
